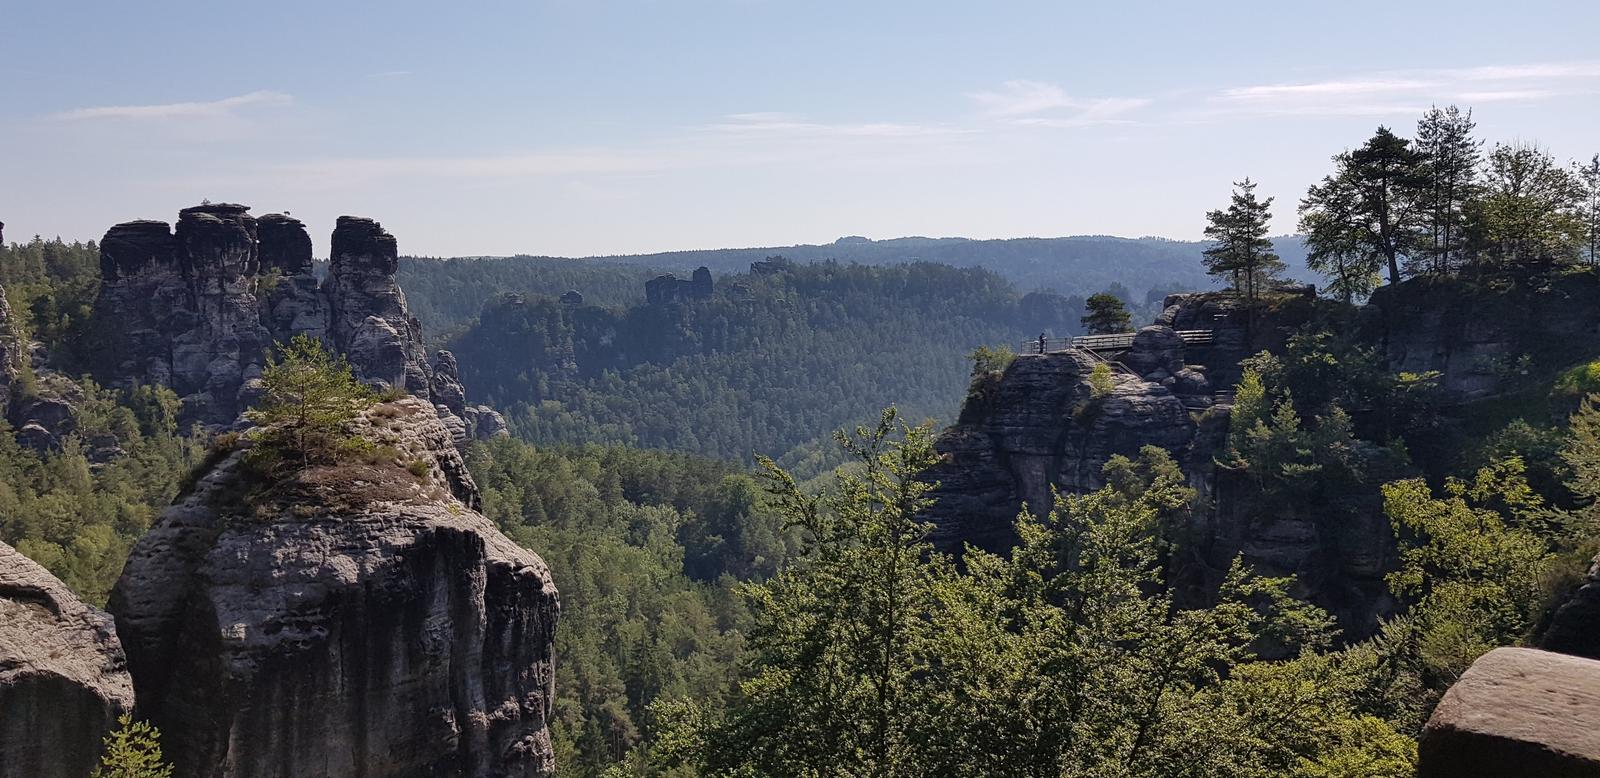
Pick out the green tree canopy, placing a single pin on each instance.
(1104, 314)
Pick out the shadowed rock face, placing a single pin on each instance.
(1036, 428)
(369, 321)
(199, 308)
(1517, 713)
(63, 677)
(355, 621)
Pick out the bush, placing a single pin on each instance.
(1101, 383)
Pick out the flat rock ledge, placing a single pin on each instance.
(1517, 713)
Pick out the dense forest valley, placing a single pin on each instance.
(854, 509)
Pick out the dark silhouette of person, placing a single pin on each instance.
(1041, 343)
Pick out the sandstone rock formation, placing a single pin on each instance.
(353, 620)
(669, 288)
(63, 677)
(1482, 339)
(1517, 713)
(1039, 426)
(198, 308)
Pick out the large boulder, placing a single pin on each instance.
(353, 620)
(63, 676)
(1157, 352)
(1517, 713)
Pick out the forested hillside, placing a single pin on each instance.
(770, 363)
(447, 293)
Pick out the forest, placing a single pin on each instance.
(772, 362)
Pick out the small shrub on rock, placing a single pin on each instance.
(310, 397)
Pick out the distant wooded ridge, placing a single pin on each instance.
(1078, 264)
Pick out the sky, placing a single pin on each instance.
(585, 127)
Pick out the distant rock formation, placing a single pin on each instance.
(353, 620)
(197, 309)
(1038, 427)
(63, 677)
(571, 297)
(670, 289)
(1516, 713)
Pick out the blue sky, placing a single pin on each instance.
(605, 126)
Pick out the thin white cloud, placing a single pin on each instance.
(1041, 104)
(1326, 88)
(227, 106)
(1407, 92)
(1543, 70)
(1022, 97)
(783, 124)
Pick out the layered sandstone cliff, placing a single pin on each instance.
(63, 676)
(353, 620)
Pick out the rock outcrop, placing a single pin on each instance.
(1037, 427)
(1516, 713)
(1482, 338)
(63, 676)
(668, 288)
(353, 620)
(197, 309)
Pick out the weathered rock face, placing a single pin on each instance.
(368, 318)
(63, 676)
(294, 301)
(197, 310)
(1479, 338)
(356, 620)
(1039, 427)
(1517, 713)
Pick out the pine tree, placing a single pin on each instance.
(1240, 250)
(1105, 314)
(309, 396)
(132, 751)
(1448, 156)
(1385, 173)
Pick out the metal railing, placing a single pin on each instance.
(1121, 341)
